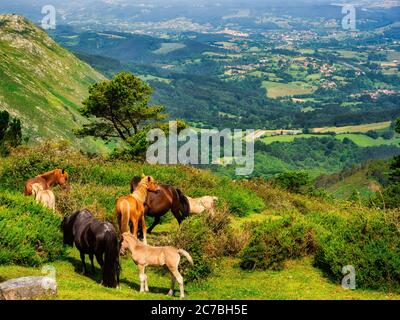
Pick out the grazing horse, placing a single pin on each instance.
(94, 238)
(47, 180)
(144, 255)
(45, 197)
(203, 204)
(132, 207)
(159, 203)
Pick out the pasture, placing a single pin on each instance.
(298, 280)
(230, 251)
(357, 128)
(361, 140)
(276, 89)
(289, 138)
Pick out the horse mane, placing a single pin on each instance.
(134, 183)
(69, 221)
(47, 174)
(67, 225)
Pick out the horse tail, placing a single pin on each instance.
(111, 267)
(185, 207)
(125, 209)
(187, 255)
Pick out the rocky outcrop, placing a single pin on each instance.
(28, 288)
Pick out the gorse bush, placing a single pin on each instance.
(292, 181)
(207, 239)
(276, 240)
(29, 234)
(368, 242)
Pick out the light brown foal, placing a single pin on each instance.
(45, 197)
(144, 255)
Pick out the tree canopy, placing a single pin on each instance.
(10, 132)
(119, 108)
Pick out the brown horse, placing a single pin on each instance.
(159, 203)
(132, 207)
(47, 180)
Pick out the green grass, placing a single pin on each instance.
(365, 141)
(289, 138)
(361, 140)
(357, 182)
(150, 77)
(299, 280)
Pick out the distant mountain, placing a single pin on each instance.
(42, 83)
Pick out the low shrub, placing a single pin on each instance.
(30, 234)
(276, 240)
(103, 180)
(369, 242)
(207, 239)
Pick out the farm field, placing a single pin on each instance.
(289, 138)
(276, 89)
(359, 139)
(365, 141)
(357, 128)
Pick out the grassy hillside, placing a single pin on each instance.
(295, 245)
(361, 181)
(42, 83)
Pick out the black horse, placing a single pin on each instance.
(94, 238)
(159, 202)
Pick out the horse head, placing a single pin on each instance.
(124, 243)
(67, 227)
(36, 187)
(62, 178)
(68, 237)
(149, 182)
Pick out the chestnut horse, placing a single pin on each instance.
(132, 207)
(47, 180)
(159, 203)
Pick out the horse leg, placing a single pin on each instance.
(179, 279)
(83, 262)
(135, 228)
(142, 277)
(119, 222)
(91, 260)
(155, 222)
(144, 229)
(99, 258)
(146, 283)
(171, 291)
